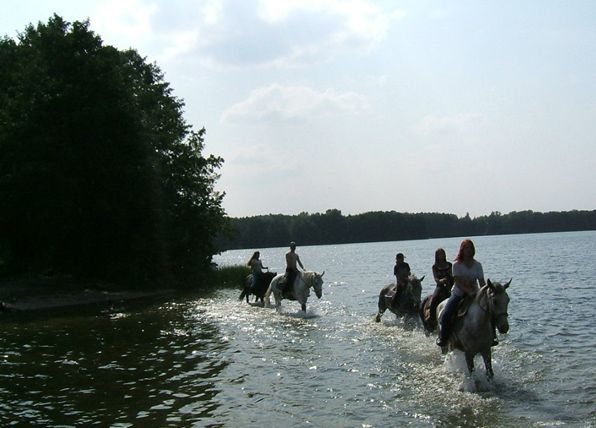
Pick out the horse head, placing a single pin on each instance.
(498, 304)
(318, 284)
(413, 293)
(415, 289)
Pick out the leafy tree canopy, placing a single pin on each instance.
(100, 175)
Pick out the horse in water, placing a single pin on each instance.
(407, 304)
(299, 291)
(428, 308)
(259, 289)
(472, 331)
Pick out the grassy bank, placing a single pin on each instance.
(34, 292)
(228, 276)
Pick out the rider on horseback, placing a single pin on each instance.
(256, 268)
(292, 260)
(402, 273)
(443, 275)
(467, 273)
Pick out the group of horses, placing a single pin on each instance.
(272, 283)
(473, 326)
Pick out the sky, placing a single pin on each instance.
(359, 105)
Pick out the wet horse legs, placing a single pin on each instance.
(486, 356)
(470, 362)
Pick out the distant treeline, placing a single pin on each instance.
(276, 230)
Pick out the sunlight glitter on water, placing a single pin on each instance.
(216, 361)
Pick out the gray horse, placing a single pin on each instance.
(472, 332)
(409, 302)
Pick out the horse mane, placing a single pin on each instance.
(482, 294)
(309, 277)
(413, 278)
(496, 286)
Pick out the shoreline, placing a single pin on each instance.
(32, 295)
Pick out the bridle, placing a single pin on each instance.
(495, 316)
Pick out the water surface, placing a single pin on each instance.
(209, 360)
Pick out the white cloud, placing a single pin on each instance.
(461, 124)
(359, 19)
(212, 11)
(244, 33)
(127, 20)
(277, 102)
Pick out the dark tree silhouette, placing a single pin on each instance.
(100, 176)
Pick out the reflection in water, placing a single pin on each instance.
(214, 361)
(155, 366)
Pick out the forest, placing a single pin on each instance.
(100, 176)
(276, 230)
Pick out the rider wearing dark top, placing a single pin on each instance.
(401, 270)
(443, 275)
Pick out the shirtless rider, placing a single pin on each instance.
(292, 260)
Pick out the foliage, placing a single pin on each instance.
(228, 276)
(100, 176)
(334, 228)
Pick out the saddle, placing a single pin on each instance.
(464, 305)
(462, 310)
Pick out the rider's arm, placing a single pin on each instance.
(438, 280)
(299, 262)
(480, 275)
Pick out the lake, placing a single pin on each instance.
(210, 360)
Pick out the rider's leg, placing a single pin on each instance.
(434, 302)
(398, 289)
(290, 278)
(253, 282)
(450, 308)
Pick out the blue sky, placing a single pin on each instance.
(412, 106)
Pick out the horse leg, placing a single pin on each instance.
(470, 362)
(303, 305)
(277, 296)
(267, 296)
(488, 364)
(382, 308)
(423, 317)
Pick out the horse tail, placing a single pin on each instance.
(266, 297)
(242, 294)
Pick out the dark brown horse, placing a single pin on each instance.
(259, 289)
(428, 307)
(408, 304)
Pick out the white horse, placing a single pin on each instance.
(299, 291)
(473, 333)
